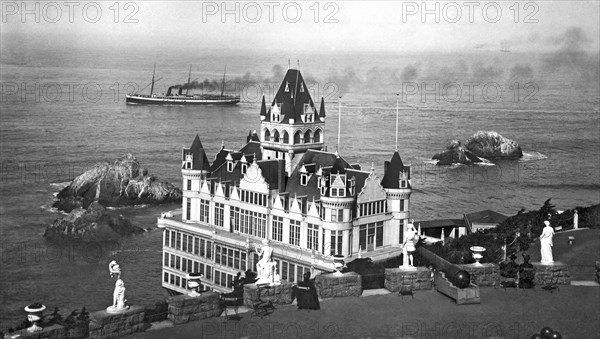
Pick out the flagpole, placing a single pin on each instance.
(397, 121)
(339, 122)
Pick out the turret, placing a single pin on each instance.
(396, 182)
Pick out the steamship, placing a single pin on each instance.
(176, 96)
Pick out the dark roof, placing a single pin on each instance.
(440, 223)
(339, 166)
(486, 216)
(391, 177)
(322, 109)
(293, 99)
(199, 162)
(319, 159)
(360, 177)
(273, 171)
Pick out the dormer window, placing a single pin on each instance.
(230, 166)
(287, 86)
(306, 108)
(402, 183)
(352, 186)
(303, 179)
(244, 168)
(301, 87)
(188, 161)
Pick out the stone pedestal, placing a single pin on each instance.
(557, 272)
(419, 278)
(278, 294)
(104, 325)
(487, 274)
(184, 308)
(346, 285)
(50, 332)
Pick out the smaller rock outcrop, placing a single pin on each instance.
(456, 153)
(121, 183)
(493, 145)
(91, 225)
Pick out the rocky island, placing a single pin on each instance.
(89, 225)
(481, 145)
(491, 145)
(121, 183)
(456, 153)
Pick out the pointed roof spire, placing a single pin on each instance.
(200, 161)
(391, 177)
(322, 109)
(263, 107)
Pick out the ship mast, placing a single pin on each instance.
(187, 90)
(152, 88)
(223, 82)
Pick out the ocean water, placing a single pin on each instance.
(55, 123)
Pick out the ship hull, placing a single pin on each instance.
(175, 101)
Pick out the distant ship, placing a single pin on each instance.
(504, 46)
(175, 95)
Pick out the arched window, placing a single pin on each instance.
(286, 137)
(307, 137)
(317, 136)
(276, 136)
(297, 138)
(267, 135)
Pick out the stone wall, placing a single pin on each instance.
(483, 274)
(50, 332)
(183, 308)
(329, 285)
(278, 294)
(104, 325)
(420, 278)
(558, 273)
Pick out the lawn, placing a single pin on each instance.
(580, 256)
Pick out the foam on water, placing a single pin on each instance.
(533, 156)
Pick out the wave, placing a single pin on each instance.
(60, 185)
(113, 208)
(532, 156)
(51, 209)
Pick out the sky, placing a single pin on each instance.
(311, 26)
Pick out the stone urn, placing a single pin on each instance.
(477, 252)
(194, 284)
(35, 315)
(338, 264)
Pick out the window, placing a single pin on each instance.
(286, 137)
(189, 185)
(297, 138)
(313, 237)
(204, 210)
(336, 242)
(209, 249)
(167, 233)
(337, 215)
(277, 229)
(294, 232)
(303, 179)
(184, 244)
(177, 262)
(166, 259)
(244, 168)
(196, 247)
(217, 254)
(402, 205)
(178, 244)
(166, 277)
(229, 166)
(374, 231)
(317, 137)
(219, 213)
(267, 135)
(188, 209)
(173, 234)
(234, 214)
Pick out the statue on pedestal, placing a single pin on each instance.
(119, 292)
(408, 247)
(265, 266)
(546, 244)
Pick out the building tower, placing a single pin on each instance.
(337, 201)
(291, 125)
(396, 182)
(194, 168)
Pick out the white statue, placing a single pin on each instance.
(119, 300)
(408, 247)
(265, 266)
(546, 244)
